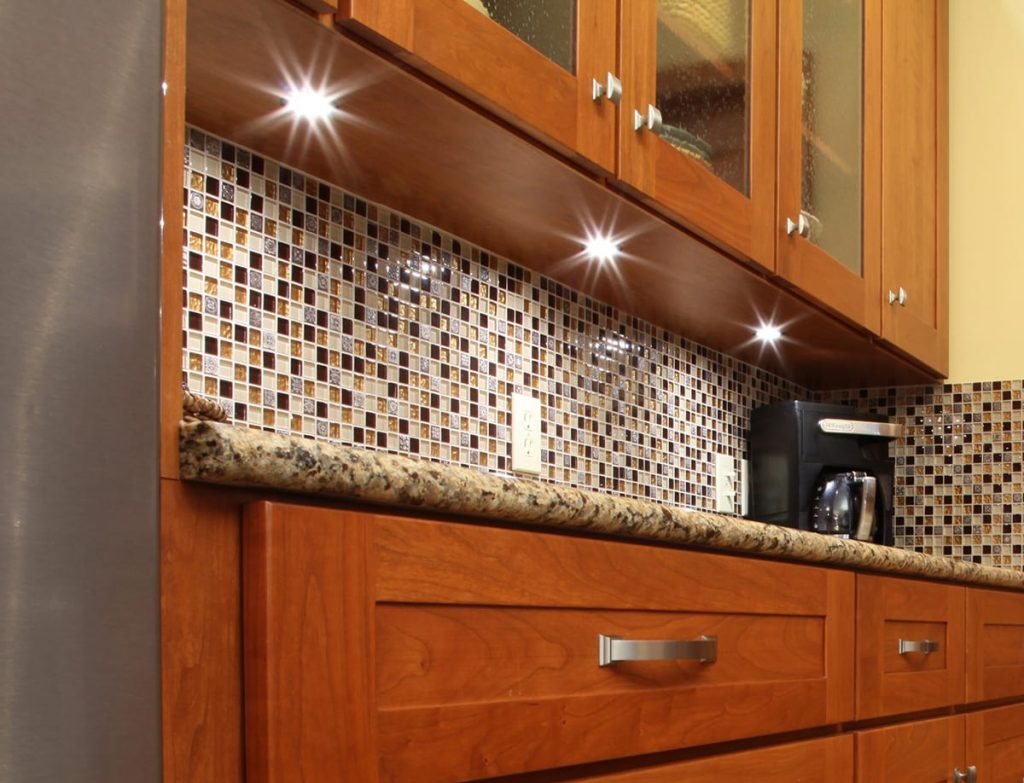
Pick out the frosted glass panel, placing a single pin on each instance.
(549, 26)
(703, 84)
(833, 90)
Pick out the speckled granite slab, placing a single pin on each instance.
(242, 456)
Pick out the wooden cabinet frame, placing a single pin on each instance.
(473, 55)
(679, 186)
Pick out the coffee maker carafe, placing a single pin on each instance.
(824, 468)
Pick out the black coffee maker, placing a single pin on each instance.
(824, 468)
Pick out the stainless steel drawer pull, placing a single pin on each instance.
(614, 649)
(924, 646)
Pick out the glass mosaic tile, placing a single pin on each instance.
(313, 312)
(959, 479)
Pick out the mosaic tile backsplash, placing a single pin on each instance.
(959, 479)
(311, 311)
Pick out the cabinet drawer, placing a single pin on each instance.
(910, 645)
(995, 744)
(828, 760)
(926, 751)
(995, 644)
(483, 647)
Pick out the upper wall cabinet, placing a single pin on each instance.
(828, 160)
(697, 125)
(915, 179)
(862, 214)
(545, 66)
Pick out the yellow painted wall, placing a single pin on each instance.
(986, 183)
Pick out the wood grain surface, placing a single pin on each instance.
(995, 744)
(920, 752)
(309, 680)
(890, 608)
(995, 645)
(200, 630)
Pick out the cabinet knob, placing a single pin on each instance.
(970, 776)
(801, 225)
(898, 297)
(652, 120)
(612, 89)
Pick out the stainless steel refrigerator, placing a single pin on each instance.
(80, 106)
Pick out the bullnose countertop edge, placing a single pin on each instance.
(246, 457)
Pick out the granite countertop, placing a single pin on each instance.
(246, 457)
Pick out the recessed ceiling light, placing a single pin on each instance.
(601, 247)
(768, 333)
(309, 104)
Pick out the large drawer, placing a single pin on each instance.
(910, 645)
(827, 760)
(436, 651)
(995, 644)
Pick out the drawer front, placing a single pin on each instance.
(828, 760)
(995, 644)
(926, 751)
(995, 744)
(381, 648)
(487, 647)
(910, 646)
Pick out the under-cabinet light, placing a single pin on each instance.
(309, 104)
(768, 333)
(601, 247)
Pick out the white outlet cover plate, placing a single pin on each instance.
(526, 434)
(725, 484)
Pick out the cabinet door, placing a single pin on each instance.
(708, 68)
(531, 62)
(926, 751)
(995, 744)
(829, 144)
(915, 196)
(995, 645)
(910, 645)
(828, 760)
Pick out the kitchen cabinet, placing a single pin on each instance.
(435, 651)
(995, 744)
(915, 179)
(865, 168)
(927, 751)
(910, 645)
(995, 645)
(697, 125)
(383, 646)
(808, 137)
(548, 68)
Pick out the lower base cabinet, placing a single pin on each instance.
(381, 648)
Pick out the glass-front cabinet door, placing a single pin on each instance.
(546, 66)
(829, 214)
(697, 127)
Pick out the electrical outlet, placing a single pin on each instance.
(725, 484)
(744, 487)
(526, 437)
